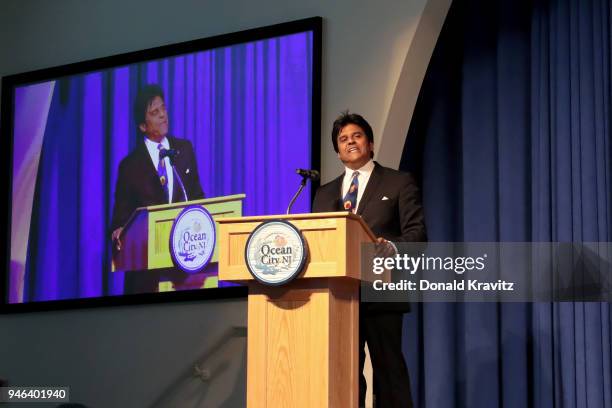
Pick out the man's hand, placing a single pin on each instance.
(116, 239)
(384, 248)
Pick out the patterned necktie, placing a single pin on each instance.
(350, 199)
(161, 171)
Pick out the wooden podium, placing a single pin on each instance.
(146, 235)
(302, 337)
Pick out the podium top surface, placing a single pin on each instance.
(304, 216)
(202, 201)
(181, 204)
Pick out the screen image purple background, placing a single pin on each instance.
(245, 108)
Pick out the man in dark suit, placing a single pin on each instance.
(144, 179)
(389, 202)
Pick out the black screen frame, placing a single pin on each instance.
(11, 82)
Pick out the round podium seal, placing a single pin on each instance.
(275, 252)
(192, 239)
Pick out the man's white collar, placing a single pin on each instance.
(367, 168)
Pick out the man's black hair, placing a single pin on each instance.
(143, 100)
(347, 118)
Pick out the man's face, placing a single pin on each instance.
(155, 125)
(354, 149)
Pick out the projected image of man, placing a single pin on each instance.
(146, 176)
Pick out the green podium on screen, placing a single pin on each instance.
(145, 237)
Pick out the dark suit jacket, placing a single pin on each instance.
(138, 183)
(398, 219)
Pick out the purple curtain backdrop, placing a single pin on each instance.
(245, 108)
(511, 135)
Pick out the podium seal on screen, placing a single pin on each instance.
(192, 239)
(275, 252)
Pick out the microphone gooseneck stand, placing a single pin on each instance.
(306, 174)
(171, 154)
(295, 196)
(178, 177)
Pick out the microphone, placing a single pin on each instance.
(311, 174)
(171, 153)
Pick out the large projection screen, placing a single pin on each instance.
(248, 102)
